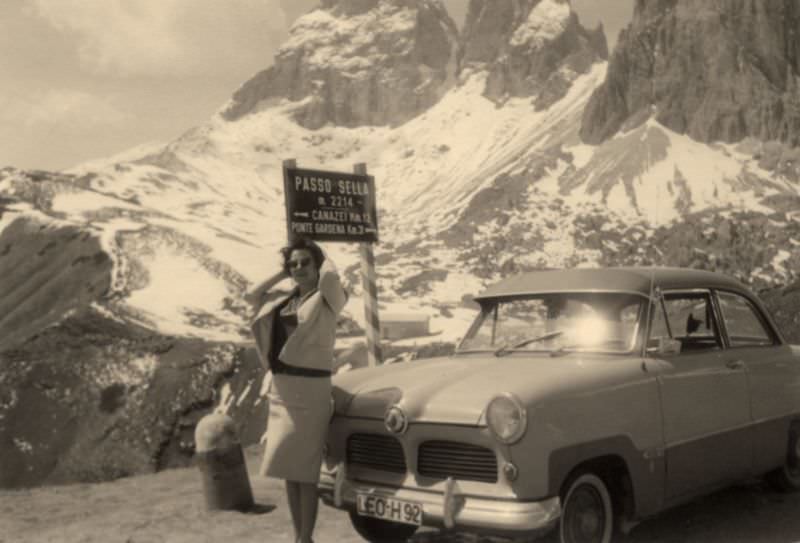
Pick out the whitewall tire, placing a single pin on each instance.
(587, 512)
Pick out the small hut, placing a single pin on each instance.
(404, 325)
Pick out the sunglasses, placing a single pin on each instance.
(298, 264)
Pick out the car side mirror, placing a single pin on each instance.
(666, 346)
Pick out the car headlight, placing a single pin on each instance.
(506, 418)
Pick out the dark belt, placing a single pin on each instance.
(286, 369)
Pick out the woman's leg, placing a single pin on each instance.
(293, 497)
(308, 511)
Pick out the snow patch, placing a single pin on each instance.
(547, 21)
(581, 154)
(145, 365)
(104, 311)
(778, 262)
(452, 329)
(22, 445)
(137, 371)
(79, 203)
(108, 242)
(179, 286)
(455, 286)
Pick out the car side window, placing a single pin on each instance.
(690, 319)
(744, 326)
(658, 327)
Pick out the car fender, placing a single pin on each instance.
(645, 468)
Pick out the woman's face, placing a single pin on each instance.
(302, 269)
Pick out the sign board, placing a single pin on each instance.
(330, 206)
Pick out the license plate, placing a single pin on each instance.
(392, 509)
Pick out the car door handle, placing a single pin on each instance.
(735, 364)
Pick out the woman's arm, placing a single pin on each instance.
(331, 287)
(255, 296)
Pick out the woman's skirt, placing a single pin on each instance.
(297, 426)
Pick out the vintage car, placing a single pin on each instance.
(579, 402)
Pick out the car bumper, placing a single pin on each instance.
(450, 509)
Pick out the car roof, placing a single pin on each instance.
(631, 279)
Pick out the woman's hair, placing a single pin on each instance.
(306, 244)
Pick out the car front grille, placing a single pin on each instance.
(377, 452)
(442, 459)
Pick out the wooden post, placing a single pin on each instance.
(291, 163)
(372, 322)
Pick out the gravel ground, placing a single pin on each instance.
(168, 507)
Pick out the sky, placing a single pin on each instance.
(85, 79)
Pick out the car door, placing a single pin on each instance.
(773, 374)
(704, 398)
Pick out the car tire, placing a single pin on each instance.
(587, 510)
(787, 477)
(377, 530)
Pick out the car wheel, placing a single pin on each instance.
(376, 530)
(587, 513)
(787, 477)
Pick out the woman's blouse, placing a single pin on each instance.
(284, 325)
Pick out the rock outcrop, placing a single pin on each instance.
(717, 70)
(48, 270)
(358, 62)
(92, 399)
(529, 47)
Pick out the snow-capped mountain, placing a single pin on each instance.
(514, 146)
(488, 152)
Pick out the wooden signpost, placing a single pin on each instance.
(340, 207)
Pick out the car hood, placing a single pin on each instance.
(453, 390)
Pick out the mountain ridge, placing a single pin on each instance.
(359, 62)
(717, 71)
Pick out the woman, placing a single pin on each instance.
(295, 336)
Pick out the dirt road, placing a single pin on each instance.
(168, 507)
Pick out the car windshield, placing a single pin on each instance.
(595, 322)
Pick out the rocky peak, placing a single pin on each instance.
(715, 70)
(359, 62)
(529, 47)
(348, 8)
